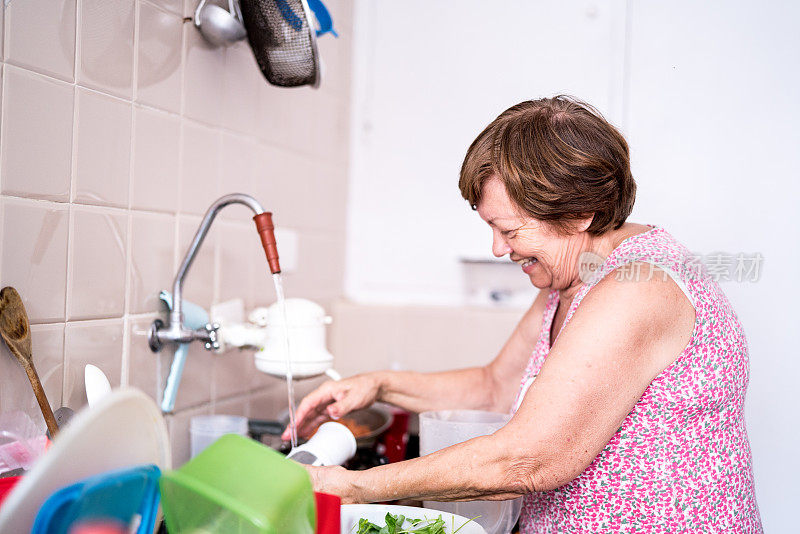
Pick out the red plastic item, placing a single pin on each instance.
(395, 438)
(6, 485)
(266, 230)
(99, 527)
(329, 513)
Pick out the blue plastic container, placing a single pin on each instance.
(128, 497)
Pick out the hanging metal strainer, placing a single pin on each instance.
(284, 41)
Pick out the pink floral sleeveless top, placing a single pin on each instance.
(681, 460)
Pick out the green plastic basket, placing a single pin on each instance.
(238, 486)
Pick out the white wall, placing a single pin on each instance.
(706, 95)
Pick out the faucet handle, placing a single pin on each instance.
(212, 334)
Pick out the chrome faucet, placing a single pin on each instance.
(176, 331)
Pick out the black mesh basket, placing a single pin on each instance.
(283, 41)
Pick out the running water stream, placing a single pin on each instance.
(278, 280)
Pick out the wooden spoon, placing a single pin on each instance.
(16, 332)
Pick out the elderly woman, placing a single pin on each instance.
(626, 376)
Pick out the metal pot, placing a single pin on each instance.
(377, 418)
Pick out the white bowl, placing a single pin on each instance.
(376, 513)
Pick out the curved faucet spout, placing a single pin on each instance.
(199, 236)
(176, 331)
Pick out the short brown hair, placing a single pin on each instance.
(559, 160)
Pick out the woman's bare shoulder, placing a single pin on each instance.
(650, 307)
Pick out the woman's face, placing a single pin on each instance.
(547, 257)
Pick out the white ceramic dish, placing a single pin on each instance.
(125, 428)
(376, 513)
(97, 384)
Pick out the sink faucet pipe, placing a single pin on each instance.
(177, 287)
(176, 331)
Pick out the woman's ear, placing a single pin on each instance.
(583, 224)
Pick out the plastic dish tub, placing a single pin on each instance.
(238, 485)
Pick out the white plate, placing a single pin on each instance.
(376, 513)
(125, 428)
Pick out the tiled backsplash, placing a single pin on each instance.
(119, 127)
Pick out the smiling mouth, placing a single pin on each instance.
(526, 262)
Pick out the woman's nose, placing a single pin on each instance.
(500, 246)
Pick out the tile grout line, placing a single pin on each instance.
(2, 138)
(71, 196)
(126, 322)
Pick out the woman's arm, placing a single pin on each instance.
(622, 336)
(482, 388)
(477, 388)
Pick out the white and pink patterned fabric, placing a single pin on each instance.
(681, 460)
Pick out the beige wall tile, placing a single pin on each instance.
(2, 31)
(240, 88)
(234, 372)
(178, 426)
(263, 292)
(437, 340)
(237, 406)
(336, 54)
(47, 342)
(196, 382)
(329, 139)
(198, 286)
(288, 116)
(105, 54)
(443, 337)
(342, 14)
(282, 182)
(486, 331)
(270, 402)
(176, 6)
(97, 265)
(160, 49)
(326, 204)
(200, 171)
(156, 156)
(34, 256)
(204, 123)
(203, 79)
(365, 338)
(102, 149)
(152, 260)
(320, 269)
(239, 159)
(37, 135)
(147, 370)
(236, 269)
(91, 342)
(271, 113)
(41, 36)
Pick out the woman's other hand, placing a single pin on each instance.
(333, 480)
(334, 399)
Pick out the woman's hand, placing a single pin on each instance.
(334, 399)
(333, 480)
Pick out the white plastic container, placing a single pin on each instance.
(206, 429)
(333, 444)
(441, 429)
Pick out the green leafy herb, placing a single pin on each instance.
(395, 524)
